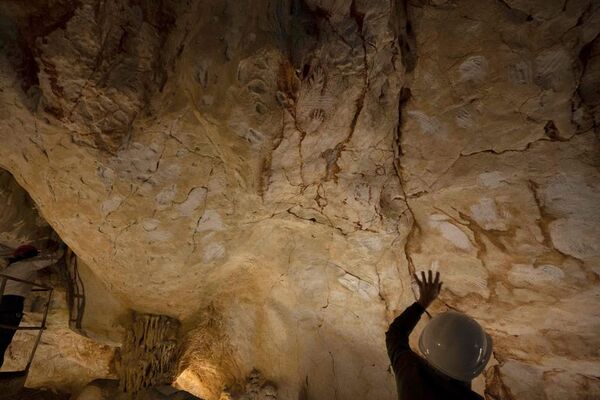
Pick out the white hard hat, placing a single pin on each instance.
(456, 345)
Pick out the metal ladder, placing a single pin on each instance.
(9, 375)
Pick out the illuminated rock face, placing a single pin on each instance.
(272, 172)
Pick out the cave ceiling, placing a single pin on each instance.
(272, 173)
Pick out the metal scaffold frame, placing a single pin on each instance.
(36, 288)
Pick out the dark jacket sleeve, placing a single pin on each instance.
(396, 338)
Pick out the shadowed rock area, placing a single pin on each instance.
(65, 360)
(272, 173)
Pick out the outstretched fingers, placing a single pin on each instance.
(423, 278)
(427, 280)
(419, 283)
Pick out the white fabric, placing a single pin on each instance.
(25, 270)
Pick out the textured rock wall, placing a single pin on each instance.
(64, 361)
(272, 172)
(104, 317)
(19, 221)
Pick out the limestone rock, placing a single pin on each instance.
(64, 361)
(19, 222)
(271, 173)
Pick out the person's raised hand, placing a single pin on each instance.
(429, 288)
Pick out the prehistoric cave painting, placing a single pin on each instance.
(551, 66)
(257, 76)
(473, 69)
(313, 101)
(520, 73)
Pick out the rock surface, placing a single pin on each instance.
(64, 361)
(19, 222)
(271, 173)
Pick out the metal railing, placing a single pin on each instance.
(36, 287)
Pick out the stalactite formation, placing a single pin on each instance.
(149, 355)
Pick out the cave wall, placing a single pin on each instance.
(104, 318)
(64, 361)
(19, 221)
(272, 172)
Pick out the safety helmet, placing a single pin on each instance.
(25, 251)
(456, 345)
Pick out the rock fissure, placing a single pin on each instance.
(414, 229)
(335, 393)
(545, 220)
(332, 155)
(329, 224)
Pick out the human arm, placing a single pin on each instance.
(400, 329)
(396, 338)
